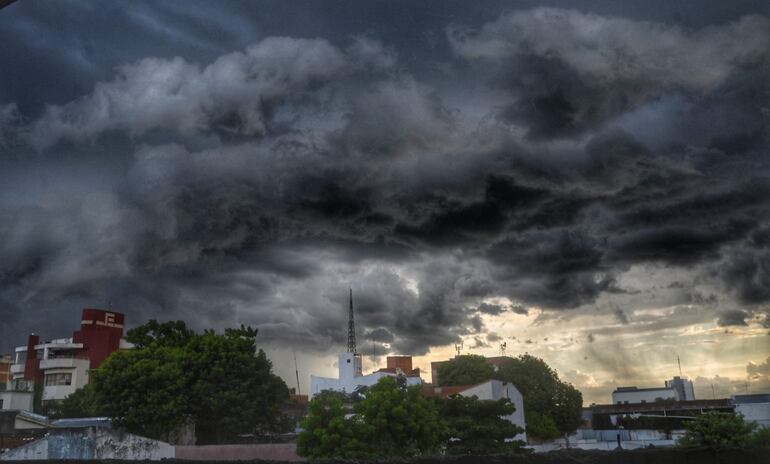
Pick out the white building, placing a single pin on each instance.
(64, 368)
(633, 395)
(753, 408)
(683, 388)
(677, 389)
(351, 377)
(62, 365)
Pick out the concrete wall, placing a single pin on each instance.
(645, 395)
(35, 451)
(90, 443)
(114, 445)
(16, 400)
(495, 390)
(267, 452)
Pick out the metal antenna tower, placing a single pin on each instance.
(459, 348)
(503, 346)
(351, 327)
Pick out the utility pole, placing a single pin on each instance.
(296, 371)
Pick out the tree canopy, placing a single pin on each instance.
(552, 407)
(170, 333)
(175, 375)
(467, 369)
(392, 420)
(545, 395)
(327, 432)
(395, 420)
(479, 426)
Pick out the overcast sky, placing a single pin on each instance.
(587, 182)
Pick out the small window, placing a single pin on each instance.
(348, 361)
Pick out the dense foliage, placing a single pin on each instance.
(392, 420)
(174, 376)
(395, 420)
(479, 426)
(467, 369)
(327, 432)
(552, 407)
(718, 429)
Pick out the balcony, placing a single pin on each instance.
(17, 369)
(58, 363)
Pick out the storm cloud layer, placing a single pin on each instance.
(537, 158)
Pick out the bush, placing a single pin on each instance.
(718, 429)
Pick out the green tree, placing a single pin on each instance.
(718, 429)
(760, 438)
(144, 390)
(467, 369)
(546, 398)
(389, 421)
(541, 426)
(175, 375)
(327, 433)
(479, 427)
(232, 390)
(170, 333)
(400, 421)
(567, 412)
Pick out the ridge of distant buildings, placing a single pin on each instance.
(678, 389)
(61, 366)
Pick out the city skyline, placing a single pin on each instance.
(587, 182)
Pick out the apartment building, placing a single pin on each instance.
(63, 365)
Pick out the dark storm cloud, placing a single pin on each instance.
(733, 317)
(254, 177)
(570, 72)
(491, 309)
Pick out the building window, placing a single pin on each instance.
(58, 379)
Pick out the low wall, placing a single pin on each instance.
(265, 451)
(87, 444)
(641, 456)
